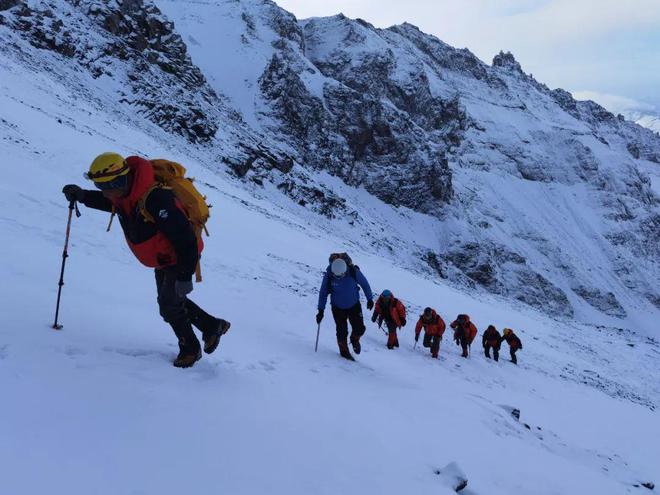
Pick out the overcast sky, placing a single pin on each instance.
(589, 47)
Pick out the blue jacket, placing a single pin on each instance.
(345, 292)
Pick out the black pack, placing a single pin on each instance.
(349, 263)
(343, 256)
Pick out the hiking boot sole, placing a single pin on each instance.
(211, 344)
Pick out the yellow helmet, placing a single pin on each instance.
(107, 167)
(506, 331)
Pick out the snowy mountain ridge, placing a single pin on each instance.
(413, 121)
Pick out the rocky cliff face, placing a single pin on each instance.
(494, 181)
(128, 47)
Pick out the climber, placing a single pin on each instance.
(390, 310)
(342, 280)
(434, 328)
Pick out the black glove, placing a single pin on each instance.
(370, 304)
(403, 322)
(416, 337)
(73, 192)
(183, 287)
(373, 318)
(319, 316)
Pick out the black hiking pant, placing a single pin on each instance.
(433, 342)
(343, 317)
(496, 351)
(465, 344)
(180, 312)
(513, 351)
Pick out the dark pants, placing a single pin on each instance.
(180, 312)
(432, 341)
(512, 351)
(465, 344)
(496, 351)
(461, 338)
(343, 317)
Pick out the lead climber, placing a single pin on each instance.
(161, 236)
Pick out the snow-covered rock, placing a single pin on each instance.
(452, 476)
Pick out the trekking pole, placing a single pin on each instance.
(318, 331)
(381, 328)
(72, 205)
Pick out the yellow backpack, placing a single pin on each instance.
(171, 175)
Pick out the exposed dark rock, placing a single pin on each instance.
(8, 4)
(324, 202)
(169, 89)
(434, 262)
(507, 61)
(633, 149)
(534, 289)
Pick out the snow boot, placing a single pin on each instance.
(187, 358)
(391, 340)
(343, 351)
(212, 339)
(357, 348)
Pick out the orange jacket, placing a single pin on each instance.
(513, 341)
(397, 312)
(468, 329)
(149, 245)
(435, 326)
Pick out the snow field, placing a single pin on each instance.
(98, 408)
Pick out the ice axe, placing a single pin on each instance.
(65, 254)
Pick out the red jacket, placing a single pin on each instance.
(397, 312)
(435, 326)
(491, 337)
(468, 328)
(149, 245)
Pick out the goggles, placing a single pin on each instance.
(117, 183)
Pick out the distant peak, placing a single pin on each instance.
(408, 25)
(507, 61)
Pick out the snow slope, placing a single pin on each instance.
(98, 408)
